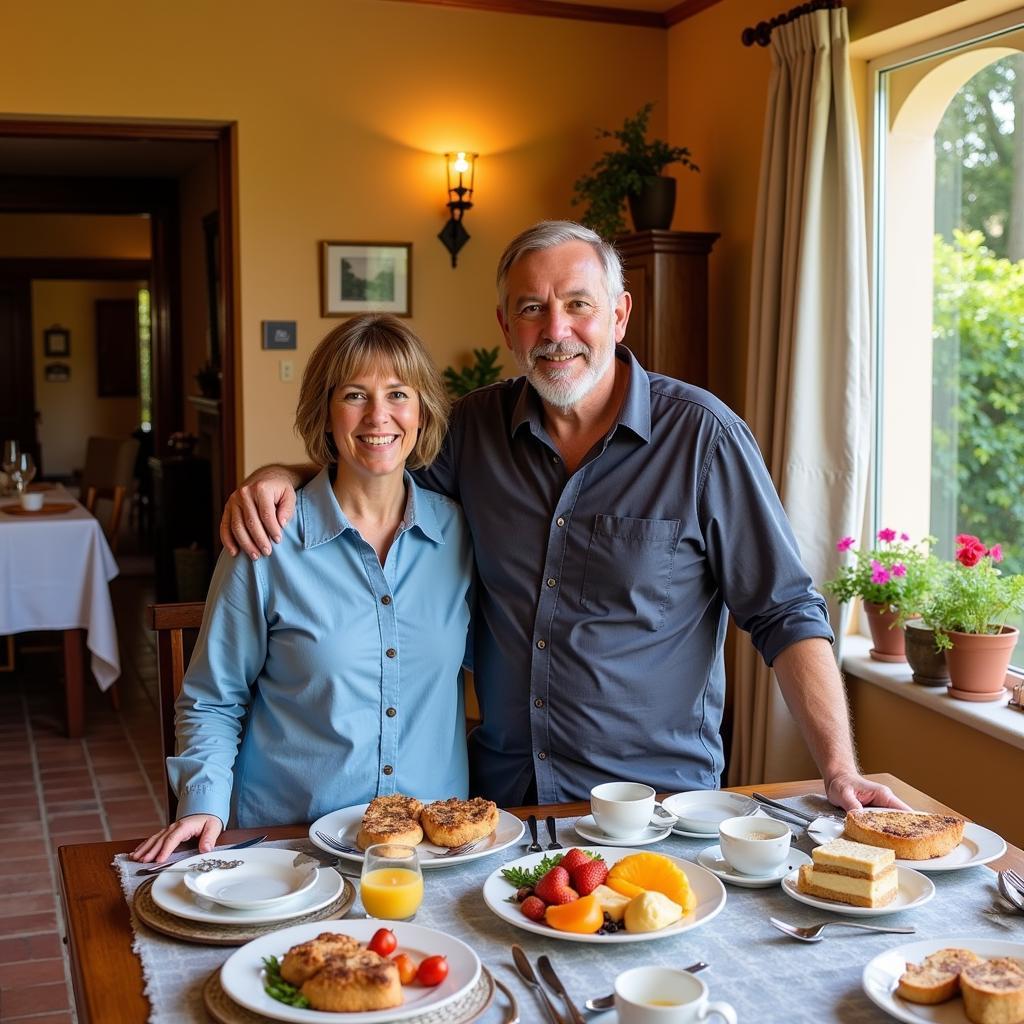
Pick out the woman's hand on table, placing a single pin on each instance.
(852, 792)
(160, 846)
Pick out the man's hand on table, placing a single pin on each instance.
(160, 846)
(852, 792)
(256, 513)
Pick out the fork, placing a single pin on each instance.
(334, 844)
(554, 844)
(812, 932)
(1015, 880)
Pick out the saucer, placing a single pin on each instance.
(712, 859)
(759, 813)
(589, 830)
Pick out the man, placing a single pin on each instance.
(616, 516)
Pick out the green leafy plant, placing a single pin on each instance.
(621, 172)
(895, 573)
(484, 370)
(972, 595)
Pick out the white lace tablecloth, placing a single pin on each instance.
(765, 975)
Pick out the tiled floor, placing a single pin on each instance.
(55, 791)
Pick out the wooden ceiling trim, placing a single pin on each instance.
(686, 9)
(554, 9)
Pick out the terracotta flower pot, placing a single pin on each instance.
(978, 663)
(928, 664)
(886, 636)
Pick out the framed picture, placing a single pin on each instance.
(57, 342)
(57, 373)
(365, 277)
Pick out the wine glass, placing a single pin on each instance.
(23, 471)
(391, 885)
(8, 458)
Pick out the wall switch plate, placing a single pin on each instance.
(286, 369)
(279, 334)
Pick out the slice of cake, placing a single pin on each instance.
(937, 977)
(993, 991)
(912, 835)
(853, 873)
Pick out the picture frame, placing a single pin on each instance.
(365, 277)
(57, 373)
(57, 343)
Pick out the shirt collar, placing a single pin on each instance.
(322, 519)
(635, 413)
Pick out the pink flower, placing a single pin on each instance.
(845, 544)
(899, 569)
(904, 536)
(996, 551)
(887, 535)
(968, 540)
(879, 573)
(970, 556)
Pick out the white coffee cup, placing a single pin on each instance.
(31, 501)
(665, 995)
(754, 845)
(623, 809)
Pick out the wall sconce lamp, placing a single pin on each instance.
(461, 168)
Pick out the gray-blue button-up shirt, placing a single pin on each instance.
(598, 636)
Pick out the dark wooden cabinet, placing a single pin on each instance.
(181, 523)
(667, 275)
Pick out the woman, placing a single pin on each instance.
(336, 662)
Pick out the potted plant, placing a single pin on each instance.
(633, 172)
(892, 579)
(485, 369)
(968, 610)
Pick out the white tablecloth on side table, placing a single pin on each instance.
(54, 574)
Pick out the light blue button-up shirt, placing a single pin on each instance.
(333, 679)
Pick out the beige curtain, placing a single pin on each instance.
(808, 396)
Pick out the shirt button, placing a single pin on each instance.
(539, 702)
(391, 712)
(391, 652)
(541, 644)
(560, 521)
(388, 770)
(552, 581)
(542, 755)
(386, 599)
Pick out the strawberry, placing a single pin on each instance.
(554, 889)
(587, 877)
(533, 907)
(573, 859)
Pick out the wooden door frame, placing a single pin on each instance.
(158, 199)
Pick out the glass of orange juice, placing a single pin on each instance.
(391, 886)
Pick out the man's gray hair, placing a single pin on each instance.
(548, 233)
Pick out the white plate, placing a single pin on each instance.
(709, 891)
(344, 824)
(701, 811)
(978, 846)
(759, 813)
(242, 973)
(914, 890)
(881, 975)
(712, 859)
(169, 893)
(264, 879)
(592, 832)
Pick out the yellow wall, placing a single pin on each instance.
(343, 109)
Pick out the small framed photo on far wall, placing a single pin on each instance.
(365, 277)
(57, 342)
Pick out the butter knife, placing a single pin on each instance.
(547, 972)
(175, 858)
(526, 973)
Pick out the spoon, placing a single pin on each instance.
(812, 933)
(608, 1001)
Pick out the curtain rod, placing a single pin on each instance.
(761, 33)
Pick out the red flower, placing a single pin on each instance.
(970, 556)
(887, 535)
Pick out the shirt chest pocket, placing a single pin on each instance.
(629, 569)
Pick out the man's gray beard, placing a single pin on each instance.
(564, 396)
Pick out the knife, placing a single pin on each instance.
(795, 812)
(526, 973)
(547, 972)
(175, 858)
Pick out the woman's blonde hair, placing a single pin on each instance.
(369, 341)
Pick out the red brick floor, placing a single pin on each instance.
(55, 791)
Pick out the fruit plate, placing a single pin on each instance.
(709, 891)
(881, 975)
(344, 824)
(978, 846)
(242, 974)
(914, 890)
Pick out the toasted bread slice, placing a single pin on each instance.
(303, 961)
(454, 822)
(391, 819)
(911, 835)
(993, 991)
(937, 977)
(356, 983)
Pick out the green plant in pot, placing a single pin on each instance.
(892, 579)
(632, 172)
(968, 609)
(485, 369)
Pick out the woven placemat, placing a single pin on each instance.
(206, 934)
(54, 508)
(223, 1009)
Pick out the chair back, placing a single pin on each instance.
(176, 627)
(109, 473)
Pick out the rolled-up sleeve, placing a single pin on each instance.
(215, 696)
(752, 551)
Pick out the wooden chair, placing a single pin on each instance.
(109, 473)
(176, 627)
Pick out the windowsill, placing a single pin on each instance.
(994, 719)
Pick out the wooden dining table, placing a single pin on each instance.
(107, 975)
